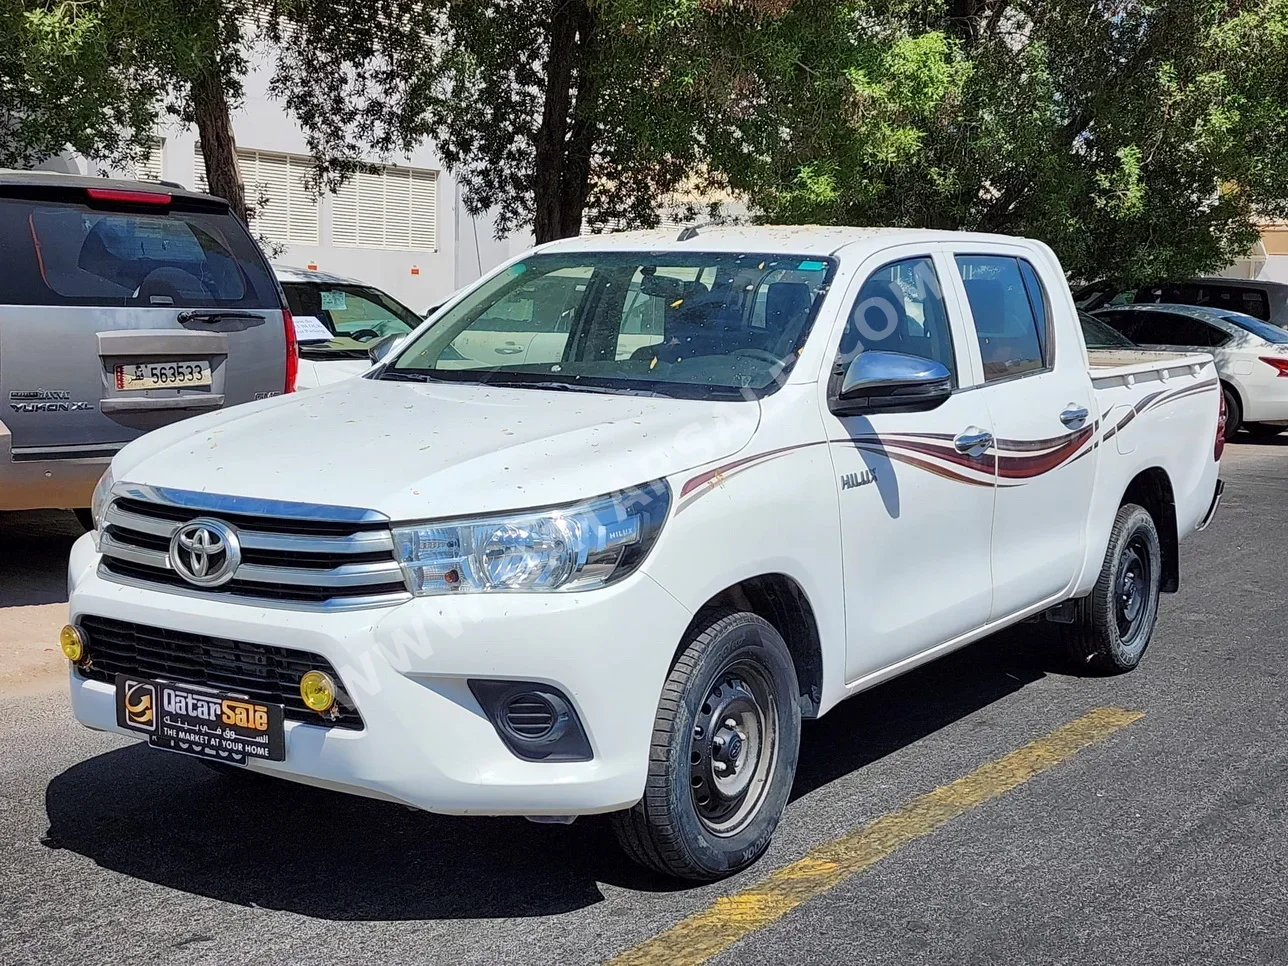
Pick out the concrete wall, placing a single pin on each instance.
(466, 247)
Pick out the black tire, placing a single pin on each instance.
(673, 830)
(85, 519)
(1263, 430)
(1233, 412)
(1112, 625)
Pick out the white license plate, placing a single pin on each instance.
(163, 375)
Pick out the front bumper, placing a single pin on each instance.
(426, 742)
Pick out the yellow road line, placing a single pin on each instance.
(704, 934)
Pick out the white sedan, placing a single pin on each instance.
(1251, 356)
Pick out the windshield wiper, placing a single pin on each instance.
(200, 315)
(569, 387)
(404, 375)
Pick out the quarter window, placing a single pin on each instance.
(901, 309)
(1010, 314)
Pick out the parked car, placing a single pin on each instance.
(1251, 356)
(615, 581)
(124, 306)
(1260, 298)
(338, 321)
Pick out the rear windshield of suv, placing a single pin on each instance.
(63, 252)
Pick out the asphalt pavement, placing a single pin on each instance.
(1163, 842)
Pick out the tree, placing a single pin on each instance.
(1141, 140)
(96, 76)
(68, 78)
(549, 112)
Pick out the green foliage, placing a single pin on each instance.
(1140, 140)
(68, 78)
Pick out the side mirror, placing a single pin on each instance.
(382, 348)
(890, 382)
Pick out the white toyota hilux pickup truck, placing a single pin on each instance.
(597, 539)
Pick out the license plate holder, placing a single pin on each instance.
(213, 725)
(188, 374)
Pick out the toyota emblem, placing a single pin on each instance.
(205, 552)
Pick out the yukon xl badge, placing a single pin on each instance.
(850, 480)
(47, 401)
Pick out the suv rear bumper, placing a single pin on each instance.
(426, 741)
(46, 484)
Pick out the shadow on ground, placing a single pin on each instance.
(241, 839)
(34, 547)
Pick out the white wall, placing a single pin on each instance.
(466, 248)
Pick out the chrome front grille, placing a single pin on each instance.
(316, 556)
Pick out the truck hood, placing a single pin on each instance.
(414, 451)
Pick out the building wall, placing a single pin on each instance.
(464, 246)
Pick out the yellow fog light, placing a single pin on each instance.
(72, 641)
(318, 690)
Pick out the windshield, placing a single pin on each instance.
(694, 325)
(1098, 335)
(353, 314)
(1263, 330)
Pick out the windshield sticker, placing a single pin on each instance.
(811, 266)
(309, 328)
(333, 301)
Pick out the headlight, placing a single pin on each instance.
(578, 547)
(102, 496)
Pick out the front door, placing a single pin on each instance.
(916, 489)
(1039, 401)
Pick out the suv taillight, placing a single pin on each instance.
(1219, 447)
(292, 352)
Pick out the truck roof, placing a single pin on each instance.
(797, 239)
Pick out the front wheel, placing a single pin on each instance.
(1112, 625)
(723, 753)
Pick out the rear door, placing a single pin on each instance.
(122, 311)
(1039, 399)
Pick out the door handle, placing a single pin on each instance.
(509, 352)
(973, 439)
(1074, 416)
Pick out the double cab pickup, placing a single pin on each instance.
(600, 534)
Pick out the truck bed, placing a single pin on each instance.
(1110, 366)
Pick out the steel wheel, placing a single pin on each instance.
(1133, 589)
(735, 740)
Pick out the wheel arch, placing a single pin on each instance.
(1152, 489)
(783, 602)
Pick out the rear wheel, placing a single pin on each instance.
(1263, 430)
(1233, 412)
(1112, 625)
(723, 753)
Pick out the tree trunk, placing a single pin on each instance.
(565, 139)
(218, 147)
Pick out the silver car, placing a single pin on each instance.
(124, 306)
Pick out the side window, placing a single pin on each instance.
(1128, 323)
(1162, 328)
(1040, 304)
(1011, 337)
(901, 309)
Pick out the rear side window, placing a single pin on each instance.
(1164, 328)
(67, 253)
(1010, 314)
